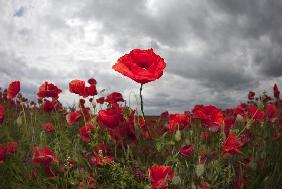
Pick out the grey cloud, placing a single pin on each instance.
(15, 68)
(222, 25)
(216, 51)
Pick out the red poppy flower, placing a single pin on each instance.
(72, 117)
(276, 91)
(239, 110)
(232, 144)
(114, 98)
(92, 81)
(2, 114)
(164, 114)
(210, 116)
(109, 118)
(91, 90)
(47, 106)
(119, 127)
(101, 155)
(100, 100)
(45, 156)
(255, 113)
(251, 95)
(178, 121)
(13, 89)
(270, 112)
(85, 132)
(125, 130)
(142, 66)
(2, 153)
(48, 90)
(186, 150)
(130, 132)
(141, 122)
(72, 161)
(78, 87)
(48, 127)
(204, 185)
(85, 113)
(146, 133)
(90, 183)
(11, 148)
(160, 175)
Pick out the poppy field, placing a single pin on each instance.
(101, 142)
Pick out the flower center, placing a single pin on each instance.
(143, 65)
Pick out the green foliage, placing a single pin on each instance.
(131, 160)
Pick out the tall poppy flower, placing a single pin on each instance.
(13, 89)
(142, 66)
(160, 176)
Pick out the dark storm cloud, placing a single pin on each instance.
(232, 33)
(125, 19)
(262, 19)
(215, 50)
(269, 60)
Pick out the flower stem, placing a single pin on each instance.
(142, 109)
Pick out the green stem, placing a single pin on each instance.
(142, 109)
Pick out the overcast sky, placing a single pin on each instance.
(215, 50)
